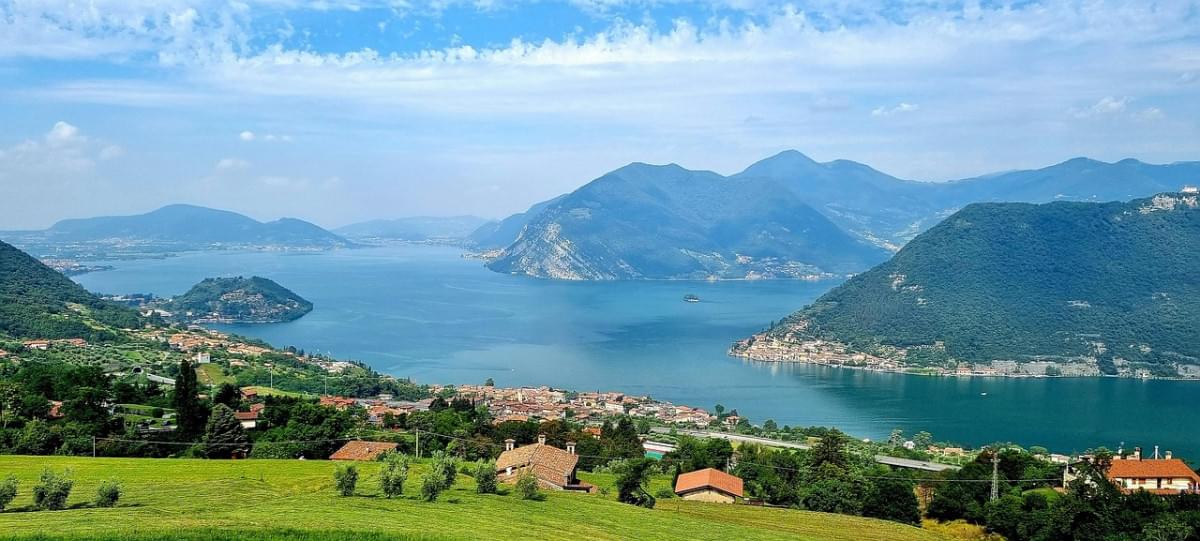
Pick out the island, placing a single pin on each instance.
(236, 300)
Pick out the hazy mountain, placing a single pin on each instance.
(183, 227)
(504, 232)
(644, 221)
(419, 228)
(39, 302)
(1014, 281)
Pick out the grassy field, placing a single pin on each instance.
(263, 390)
(295, 500)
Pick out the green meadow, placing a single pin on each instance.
(294, 500)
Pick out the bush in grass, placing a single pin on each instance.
(485, 478)
(432, 483)
(449, 471)
(52, 490)
(345, 477)
(8, 491)
(108, 493)
(527, 486)
(393, 474)
(664, 493)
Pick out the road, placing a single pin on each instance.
(741, 438)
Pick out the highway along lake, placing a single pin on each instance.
(427, 313)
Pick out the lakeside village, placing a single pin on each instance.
(794, 347)
(258, 371)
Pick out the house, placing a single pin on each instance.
(203, 357)
(249, 419)
(593, 431)
(1158, 476)
(709, 485)
(338, 402)
(40, 345)
(362, 450)
(554, 468)
(249, 394)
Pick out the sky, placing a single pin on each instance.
(339, 111)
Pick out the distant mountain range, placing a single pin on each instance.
(787, 216)
(39, 302)
(176, 227)
(415, 229)
(1110, 284)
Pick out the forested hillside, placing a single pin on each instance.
(39, 302)
(1116, 282)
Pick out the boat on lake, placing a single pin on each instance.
(690, 297)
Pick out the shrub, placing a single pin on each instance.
(431, 483)
(447, 467)
(52, 490)
(8, 491)
(485, 478)
(346, 477)
(393, 475)
(664, 493)
(108, 493)
(527, 486)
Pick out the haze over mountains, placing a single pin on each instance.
(773, 220)
(415, 229)
(1112, 282)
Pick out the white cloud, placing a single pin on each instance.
(1149, 114)
(111, 152)
(269, 137)
(246, 136)
(902, 107)
(225, 164)
(63, 134)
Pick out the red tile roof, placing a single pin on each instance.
(548, 463)
(709, 478)
(1151, 469)
(362, 450)
(246, 415)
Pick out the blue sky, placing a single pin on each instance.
(341, 110)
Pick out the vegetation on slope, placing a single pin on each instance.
(1012, 281)
(39, 302)
(249, 300)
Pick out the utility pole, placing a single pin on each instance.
(418, 443)
(326, 378)
(995, 474)
(93, 446)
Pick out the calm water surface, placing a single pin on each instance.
(427, 313)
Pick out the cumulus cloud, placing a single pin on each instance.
(246, 136)
(269, 137)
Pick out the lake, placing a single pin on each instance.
(427, 313)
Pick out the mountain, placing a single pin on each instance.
(662, 222)
(500, 234)
(1108, 285)
(866, 204)
(39, 302)
(177, 227)
(420, 228)
(239, 300)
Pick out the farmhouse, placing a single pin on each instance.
(1159, 476)
(554, 468)
(709, 485)
(362, 450)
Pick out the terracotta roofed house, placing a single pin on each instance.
(553, 467)
(1158, 476)
(362, 450)
(709, 485)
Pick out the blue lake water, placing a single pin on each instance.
(429, 314)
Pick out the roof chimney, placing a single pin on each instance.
(541, 439)
(1137, 453)
(571, 447)
(1155, 452)
(1167, 456)
(508, 444)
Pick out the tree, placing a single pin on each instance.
(87, 406)
(770, 425)
(527, 486)
(830, 450)
(892, 499)
(922, 440)
(720, 409)
(433, 482)
(896, 438)
(345, 477)
(52, 490)
(8, 490)
(631, 483)
(229, 395)
(108, 493)
(223, 435)
(393, 474)
(489, 383)
(189, 412)
(485, 478)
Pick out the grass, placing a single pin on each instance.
(267, 391)
(211, 374)
(294, 500)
